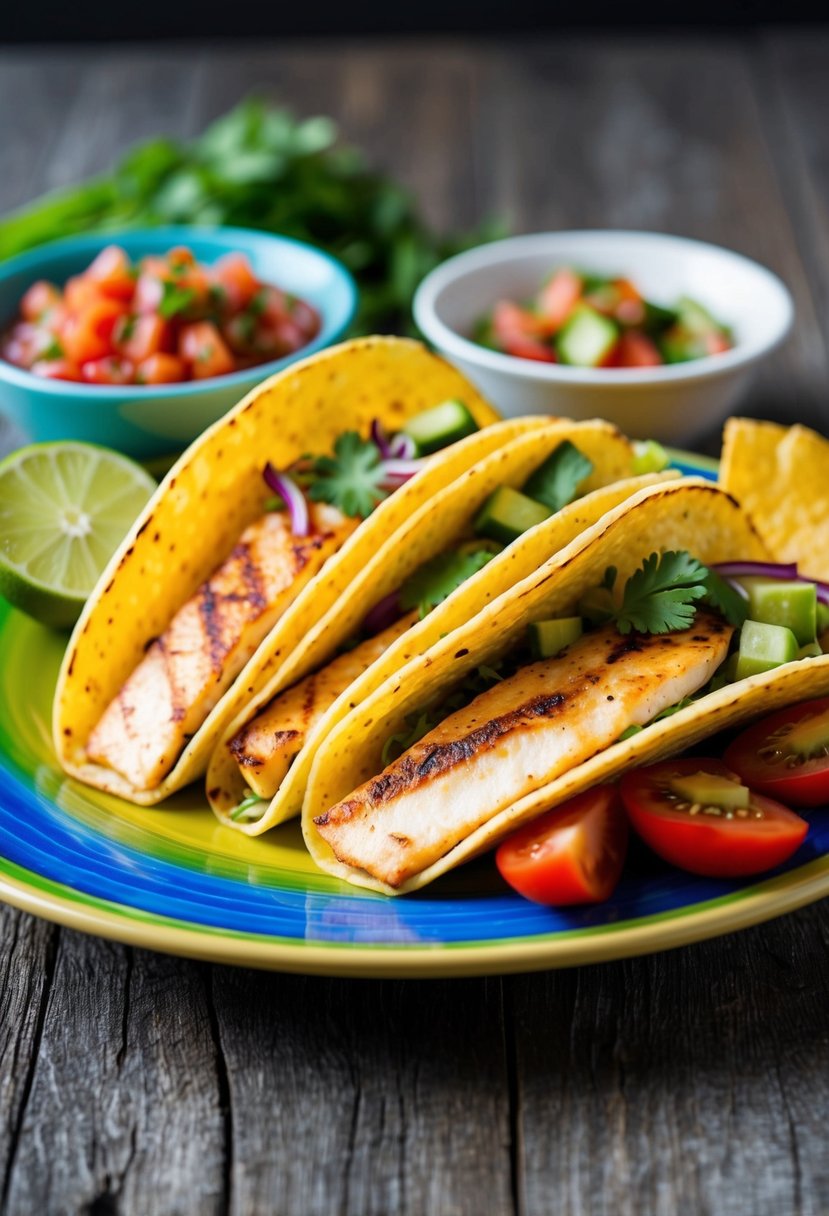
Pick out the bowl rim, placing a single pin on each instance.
(222, 235)
(457, 346)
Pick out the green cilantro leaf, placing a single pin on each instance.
(555, 483)
(174, 299)
(721, 595)
(350, 479)
(660, 596)
(435, 580)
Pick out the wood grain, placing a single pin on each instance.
(692, 1082)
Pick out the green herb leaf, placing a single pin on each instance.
(660, 596)
(726, 599)
(555, 483)
(350, 479)
(175, 299)
(435, 580)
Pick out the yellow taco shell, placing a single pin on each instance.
(215, 490)
(693, 515)
(436, 527)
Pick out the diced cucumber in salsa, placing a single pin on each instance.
(587, 338)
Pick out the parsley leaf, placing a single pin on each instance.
(174, 299)
(350, 479)
(660, 596)
(555, 483)
(435, 580)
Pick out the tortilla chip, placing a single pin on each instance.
(780, 475)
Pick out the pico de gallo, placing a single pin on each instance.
(589, 320)
(159, 320)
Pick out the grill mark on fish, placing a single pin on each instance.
(210, 613)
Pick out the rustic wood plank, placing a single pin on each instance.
(123, 1112)
(27, 956)
(365, 1097)
(657, 134)
(793, 87)
(689, 1082)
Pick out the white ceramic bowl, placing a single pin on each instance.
(673, 403)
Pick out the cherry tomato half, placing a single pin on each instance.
(572, 855)
(787, 754)
(708, 840)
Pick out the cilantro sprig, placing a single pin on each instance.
(435, 580)
(663, 594)
(351, 479)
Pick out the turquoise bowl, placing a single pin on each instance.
(145, 421)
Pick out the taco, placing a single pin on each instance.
(487, 530)
(255, 533)
(624, 648)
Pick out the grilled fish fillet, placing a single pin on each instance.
(268, 745)
(513, 739)
(186, 671)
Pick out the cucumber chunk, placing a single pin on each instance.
(776, 602)
(811, 650)
(548, 638)
(507, 514)
(438, 427)
(764, 647)
(555, 483)
(587, 338)
(648, 457)
(707, 789)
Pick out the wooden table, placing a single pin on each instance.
(691, 1082)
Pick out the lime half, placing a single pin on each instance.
(64, 509)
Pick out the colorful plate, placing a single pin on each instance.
(174, 880)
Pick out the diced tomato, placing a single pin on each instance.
(56, 369)
(180, 255)
(203, 347)
(39, 299)
(558, 298)
(305, 318)
(109, 370)
(112, 273)
(787, 754)
(88, 334)
(138, 337)
(630, 307)
(635, 349)
(275, 341)
(708, 840)
(573, 854)
(81, 292)
(236, 276)
(518, 332)
(716, 344)
(161, 368)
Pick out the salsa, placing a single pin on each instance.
(159, 320)
(587, 320)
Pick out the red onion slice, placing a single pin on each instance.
(384, 613)
(403, 447)
(294, 499)
(380, 439)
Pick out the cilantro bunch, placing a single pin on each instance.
(259, 167)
